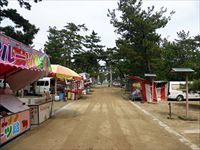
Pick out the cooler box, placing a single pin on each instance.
(73, 96)
(56, 98)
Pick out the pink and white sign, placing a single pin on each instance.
(13, 125)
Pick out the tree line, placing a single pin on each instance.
(139, 48)
(71, 48)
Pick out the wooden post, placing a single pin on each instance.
(152, 90)
(22, 93)
(170, 110)
(187, 104)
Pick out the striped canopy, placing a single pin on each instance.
(64, 73)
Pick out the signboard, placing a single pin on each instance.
(19, 62)
(17, 54)
(44, 111)
(13, 125)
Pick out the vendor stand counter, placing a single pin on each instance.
(14, 118)
(80, 93)
(40, 110)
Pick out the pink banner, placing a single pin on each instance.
(17, 54)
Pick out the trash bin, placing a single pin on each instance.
(69, 96)
(61, 96)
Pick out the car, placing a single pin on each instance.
(115, 83)
(177, 91)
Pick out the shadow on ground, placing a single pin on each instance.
(67, 114)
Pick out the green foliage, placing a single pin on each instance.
(113, 57)
(63, 44)
(86, 62)
(183, 52)
(195, 86)
(24, 35)
(141, 50)
(69, 48)
(139, 42)
(102, 77)
(72, 41)
(54, 46)
(91, 43)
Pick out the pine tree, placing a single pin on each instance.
(26, 35)
(139, 41)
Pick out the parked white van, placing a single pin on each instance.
(44, 84)
(177, 91)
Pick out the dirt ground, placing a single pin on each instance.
(188, 128)
(101, 120)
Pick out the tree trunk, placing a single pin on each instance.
(149, 66)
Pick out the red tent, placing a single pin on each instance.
(151, 91)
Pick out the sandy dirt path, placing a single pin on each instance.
(102, 120)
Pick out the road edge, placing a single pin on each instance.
(168, 129)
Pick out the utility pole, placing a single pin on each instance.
(98, 79)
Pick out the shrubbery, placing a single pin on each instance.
(195, 86)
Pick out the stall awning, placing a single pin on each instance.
(150, 75)
(21, 64)
(137, 78)
(64, 73)
(12, 103)
(182, 70)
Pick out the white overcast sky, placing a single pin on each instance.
(93, 14)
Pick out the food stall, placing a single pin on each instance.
(71, 90)
(14, 117)
(63, 73)
(80, 87)
(20, 65)
(86, 78)
(75, 89)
